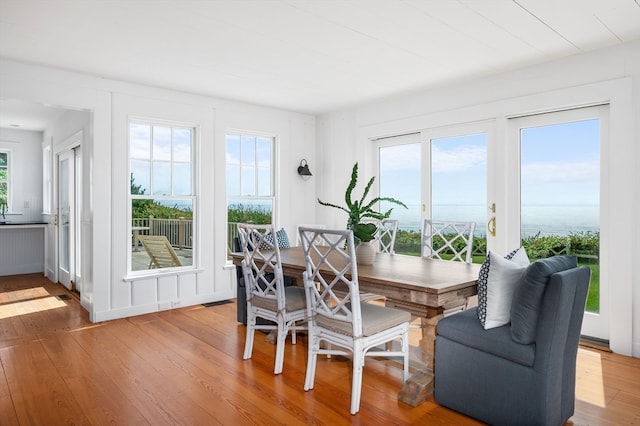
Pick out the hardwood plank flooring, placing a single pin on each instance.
(185, 367)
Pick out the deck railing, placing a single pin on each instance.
(179, 231)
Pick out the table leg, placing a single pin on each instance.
(419, 387)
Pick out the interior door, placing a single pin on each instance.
(66, 218)
(555, 196)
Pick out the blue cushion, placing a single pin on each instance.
(465, 329)
(528, 296)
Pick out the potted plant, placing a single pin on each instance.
(358, 210)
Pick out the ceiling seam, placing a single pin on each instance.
(547, 25)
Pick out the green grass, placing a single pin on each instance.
(537, 247)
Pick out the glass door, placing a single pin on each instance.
(558, 195)
(65, 218)
(439, 174)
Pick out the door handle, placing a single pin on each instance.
(491, 226)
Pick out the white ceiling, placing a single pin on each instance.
(311, 56)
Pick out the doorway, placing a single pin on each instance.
(68, 208)
(556, 195)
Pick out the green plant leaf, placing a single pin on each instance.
(365, 232)
(359, 209)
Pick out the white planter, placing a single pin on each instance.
(366, 253)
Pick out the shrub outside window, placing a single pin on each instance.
(250, 177)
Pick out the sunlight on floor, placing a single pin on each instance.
(26, 294)
(590, 386)
(30, 306)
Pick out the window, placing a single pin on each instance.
(250, 177)
(162, 194)
(560, 193)
(439, 174)
(4, 182)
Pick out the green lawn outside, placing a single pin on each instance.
(582, 245)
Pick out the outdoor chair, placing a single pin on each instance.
(340, 319)
(161, 254)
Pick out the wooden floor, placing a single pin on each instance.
(185, 367)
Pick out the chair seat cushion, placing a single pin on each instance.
(465, 329)
(527, 297)
(375, 318)
(295, 300)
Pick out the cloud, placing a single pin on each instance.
(458, 159)
(560, 171)
(403, 157)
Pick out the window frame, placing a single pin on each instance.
(272, 198)
(9, 169)
(193, 196)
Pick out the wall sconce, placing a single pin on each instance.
(303, 170)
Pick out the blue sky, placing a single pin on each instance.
(560, 169)
(559, 166)
(161, 158)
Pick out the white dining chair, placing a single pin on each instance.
(298, 243)
(448, 240)
(267, 296)
(387, 231)
(342, 320)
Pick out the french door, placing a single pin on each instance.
(439, 174)
(537, 184)
(67, 216)
(554, 194)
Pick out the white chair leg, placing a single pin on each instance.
(281, 341)
(356, 385)
(405, 350)
(248, 343)
(311, 363)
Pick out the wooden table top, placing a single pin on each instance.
(413, 279)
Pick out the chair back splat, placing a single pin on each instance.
(448, 240)
(336, 314)
(385, 235)
(267, 296)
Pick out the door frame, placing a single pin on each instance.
(594, 324)
(70, 144)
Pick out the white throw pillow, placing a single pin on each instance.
(502, 277)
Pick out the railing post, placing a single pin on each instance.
(181, 233)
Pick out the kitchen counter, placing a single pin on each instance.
(22, 247)
(16, 223)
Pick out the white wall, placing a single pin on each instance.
(611, 75)
(107, 291)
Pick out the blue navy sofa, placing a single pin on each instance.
(522, 373)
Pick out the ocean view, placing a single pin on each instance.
(546, 219)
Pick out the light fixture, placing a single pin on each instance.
(303, 169)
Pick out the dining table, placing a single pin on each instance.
(427, 288)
